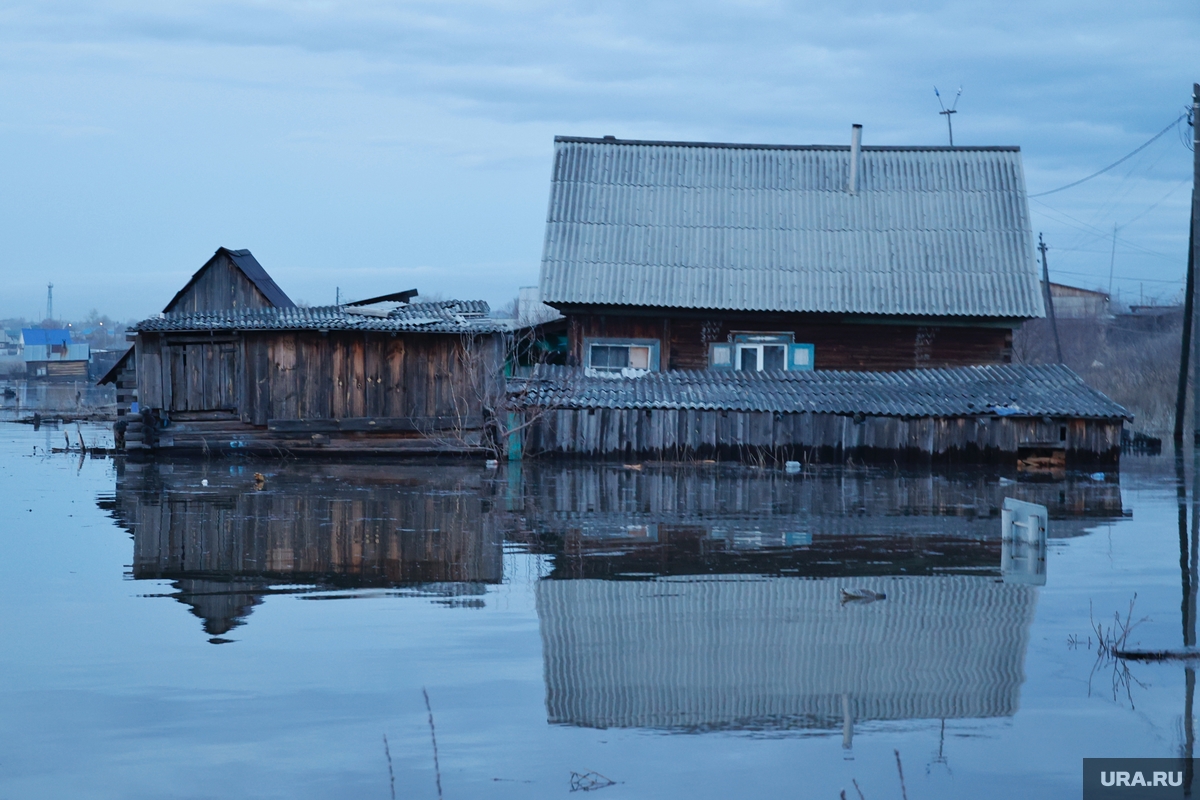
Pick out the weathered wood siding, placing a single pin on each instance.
(220, 285)
(839, 345)
(313, 376)
(753, 436)
(338, 391)
(201, 376)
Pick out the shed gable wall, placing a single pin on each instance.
(220, 285)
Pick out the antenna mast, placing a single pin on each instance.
(49, 301)
(947, 112)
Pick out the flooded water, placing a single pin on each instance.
(256, 629)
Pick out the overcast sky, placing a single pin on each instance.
(380, 146)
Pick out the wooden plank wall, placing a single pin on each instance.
(220, 285)
(202, 376)
(310, 376)
(771, 437)
(839, 346)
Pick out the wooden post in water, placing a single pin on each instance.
(1195, 243)
(1185, 343)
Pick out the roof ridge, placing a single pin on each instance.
(757, 146)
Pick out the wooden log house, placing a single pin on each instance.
(695, 255)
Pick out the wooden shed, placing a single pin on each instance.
(392, 377)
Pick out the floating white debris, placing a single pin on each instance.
(791, 466)
(491, 463)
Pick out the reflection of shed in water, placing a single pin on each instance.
(756, 653)
(350, 525)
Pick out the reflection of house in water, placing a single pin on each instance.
(777, 653)
(723, 607)
(608, 521)
(228, 543)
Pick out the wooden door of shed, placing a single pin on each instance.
(203, 376)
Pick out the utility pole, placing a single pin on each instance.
(1186, 343)
(1049, 298)
(1112, 260)
(1195, 244)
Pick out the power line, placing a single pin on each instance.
(1061, 271)
(1100, 234)
(1119, 161)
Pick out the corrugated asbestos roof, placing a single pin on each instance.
(447, 316)
(1010, 390)
(245, 261)
(931, 231)
(780, 653)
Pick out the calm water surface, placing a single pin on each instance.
(184, 631)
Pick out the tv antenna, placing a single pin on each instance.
(948, 111)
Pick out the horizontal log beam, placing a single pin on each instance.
(366, 424)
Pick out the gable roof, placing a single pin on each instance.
(45, 336)
(249, 266)
(930, 231)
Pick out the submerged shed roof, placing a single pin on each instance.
(930, 231)
(446, 316)
(1009, 390)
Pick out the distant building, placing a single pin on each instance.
(1071, 302)
(49, 354)
(693, 255)
(10, 342)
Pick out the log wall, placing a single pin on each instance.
(839, 345)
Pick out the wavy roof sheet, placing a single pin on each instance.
(447, 316)
(931, 231)
(1010, 390)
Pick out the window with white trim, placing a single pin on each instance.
(615, 355)
(759, 352)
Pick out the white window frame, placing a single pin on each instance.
(729, 355)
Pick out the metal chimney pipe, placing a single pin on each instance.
(855, 146)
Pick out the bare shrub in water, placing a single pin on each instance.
(1137, 368)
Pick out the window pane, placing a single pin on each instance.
(607, 356)
(773, 356)
(721, 356)
(639, 357)
(749, 359)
